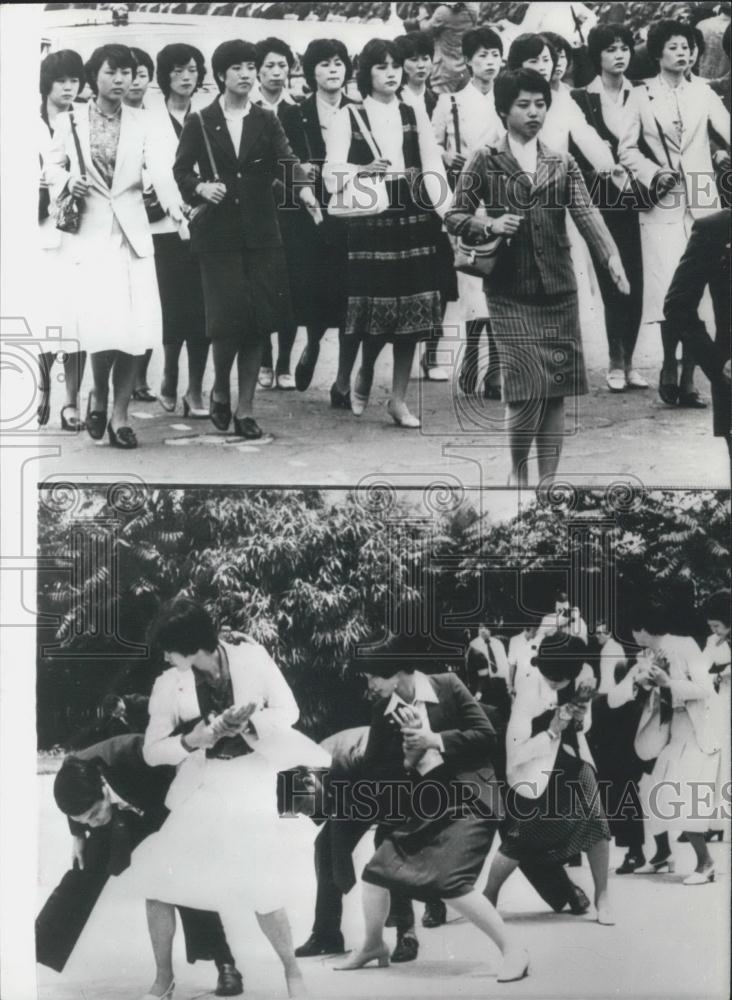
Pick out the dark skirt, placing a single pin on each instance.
(393, 271)
(316, 263)
(245, 292)
(566, 819)
(539, 346)
(434, 858)
(181, 294)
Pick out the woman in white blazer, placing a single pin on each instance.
(716, 656)
(666, 147)
(677, 728)
(223, 715)
(553, 805)
(113, 272)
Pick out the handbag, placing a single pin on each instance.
(478, 260)
(361, 195)
(198, 213)
(653, 734)
(154, 210)
(68, 208)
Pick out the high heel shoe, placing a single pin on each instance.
(220, 413)
(401, 415)
(654, 867)
(360, 395)
(194, 412)
(668, 387)
(362, 958)
(605, 916)
(164, 996)
(515, 965)
(247, 427)
(631, 863)
(305, 368)
(701, 878)
(339, 400)
(712, 835)
(70, 424)
(123, 437)
(96, 420)
(168, 403)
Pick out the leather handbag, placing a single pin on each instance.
(361, 195)
(479, 260)
(154, 210)
(198, 213)
(68, 208)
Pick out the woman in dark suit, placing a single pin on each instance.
(238, 240)
(532, 293)
(326, 66)
(431, 732)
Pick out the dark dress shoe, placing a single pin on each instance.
(220, 414)
(247, 427)
(692, 400)
(96, 421)
(683, 838)
(315, 946)
(305, 368)
(230, 982)
(668, 388)
(339, 400)
(630, 863)
(143, 396)
(492, 392)
(70, 423)
(435, 914)
(407, 947)
(712, 835)
(123, 437)
(578, 901)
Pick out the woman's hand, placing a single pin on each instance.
(659, 676)
(663, 181)
(453, 161)
(311, 204)
(418, 740)
(311, 171)
(376, 169)
(78, 186)
(617, 273)
(200, 737)
(506, 225)
(560, 721)
(176, 214)
(233, 721)
(213, 192)
(78, 843)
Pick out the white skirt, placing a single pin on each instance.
(117, 298)
(224, 843)
(53, 313)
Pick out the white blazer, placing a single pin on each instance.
(159, 123)
(530, 759)
(138, 147)
(700, 107)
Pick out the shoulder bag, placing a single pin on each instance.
(198, 213)
(68, 208)
(361, 195)
(479, 260)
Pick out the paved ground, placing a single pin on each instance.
(669, 941)
(610, 436)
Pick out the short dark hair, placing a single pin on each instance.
(117, 56)
(78, 786)
(184, 626)
(602, 36)
(276, 45)
(528, 46)
(110, 702)
(389, 654)
(481, 38)
(143, 59)
(561, 661)
(59, 65)
(717, 607)
(321, 50)
(510, 83)
(228, 54)
(415, 43)
(661, 31)
(178, 54)
(374, 52)
(651, 616)
(560, 44)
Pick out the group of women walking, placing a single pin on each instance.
(219, 228)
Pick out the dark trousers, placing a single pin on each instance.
(64, 915)
(619, 769)
(623, 312)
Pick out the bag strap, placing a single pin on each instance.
(77, 144)
(456, 124)
(207, 144)
(370, 141)
(660, 131)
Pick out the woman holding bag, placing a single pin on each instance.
(393, 280)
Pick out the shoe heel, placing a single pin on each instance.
(383, 961)
(186, 407)
(671, 866)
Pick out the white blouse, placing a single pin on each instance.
(385, 122)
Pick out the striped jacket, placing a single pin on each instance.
(537, 259)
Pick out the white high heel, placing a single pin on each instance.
(669, 865)
(515, 965)
(402, 416)
(165, 996)
(702, 877)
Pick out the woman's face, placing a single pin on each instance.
(615, 59)
(557, 685)
(381, 687)
(63, 92)
(526, 115)
(330, 75)
(139, 85)
(386, 78)
(183, 79)
(561, 67)
(676, 55)
(485, 64)
(718, 628)
(113, 84)
(181, 661)
(542, 63)
(418, 69)
(273, 73)
(239, 78)
(644, 638)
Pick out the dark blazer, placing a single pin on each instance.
(706, 261)
(467, 734)
(247, 217)
(538, 257)
(315, 141)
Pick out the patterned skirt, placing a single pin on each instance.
(393, 271)
(566, 819)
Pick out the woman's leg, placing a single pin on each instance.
(501, 868)
(468, 379)
(101, 366)
(197, 348)
(669, 368)
(402, 369)
(248, 363)
(285, 342)
(143, 362)
(161, 925)
(348, 345)
(224, 352)
(309, 357)
(599, 858)
(521, 428)
(493, 374)
(169, 385)
(375, 900)
(703, 857)
(276, 928)
(370, 351)
(123, 382)
(479, 910)
(549, 438)
(74, 365)
(45, 363)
